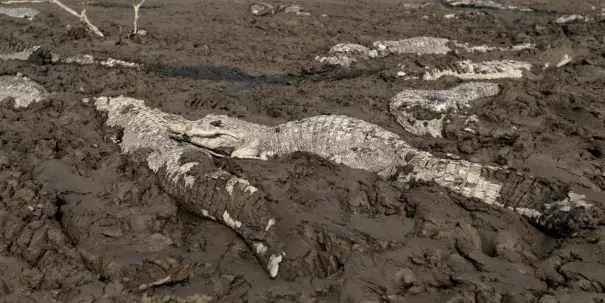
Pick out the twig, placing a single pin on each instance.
(81, 15)
(136, 7)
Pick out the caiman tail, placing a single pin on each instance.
(549, 205)
(232, 201)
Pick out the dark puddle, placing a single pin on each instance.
(235, 74)
(43, 56)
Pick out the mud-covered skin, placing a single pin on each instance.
(341, 139)
(13, 49)
(441, 105)
(22, 90)
(19, 12)
(487, 70)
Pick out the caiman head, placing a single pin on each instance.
(218, 134)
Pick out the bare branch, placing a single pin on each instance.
(136, 5)
(81, 15)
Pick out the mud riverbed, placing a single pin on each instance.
(82, 222)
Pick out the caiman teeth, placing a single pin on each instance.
(177, 127)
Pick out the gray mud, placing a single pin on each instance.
(81, 222)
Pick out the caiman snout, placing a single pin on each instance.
(182, 129)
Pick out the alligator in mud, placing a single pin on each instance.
(202, 188)
(210, 193)
(198, 186)
(362, 145)
(37, 54)
(19, 12)
(22, 90)
(436, 107)
(483, 4)
(345, 54)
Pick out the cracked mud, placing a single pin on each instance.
(82, 222)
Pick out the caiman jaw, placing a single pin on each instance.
(182, 129)
(202, 138)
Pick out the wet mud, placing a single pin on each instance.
(82, 222)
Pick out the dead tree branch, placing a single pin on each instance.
(81, 15)
(136, 4)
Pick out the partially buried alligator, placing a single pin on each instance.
(45, 54)
(207, 191)
(23, 90)
(362, 145)
(218, 195)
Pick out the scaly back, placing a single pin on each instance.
(352, 142)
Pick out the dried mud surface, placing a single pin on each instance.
(81, 222)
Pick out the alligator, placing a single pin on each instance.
(549, 205)
(484, 70)
(45, 54)
(206, 191)
(346, 53)
(188, 174)
(19, 12)
(210, 192)
(436, 106)
(23, 90)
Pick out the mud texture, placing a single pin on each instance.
(82, 222)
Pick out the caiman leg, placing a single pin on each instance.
(548, 205)
(232, 201)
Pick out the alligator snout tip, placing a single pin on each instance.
(177, 127)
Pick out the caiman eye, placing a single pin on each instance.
(216, 123)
